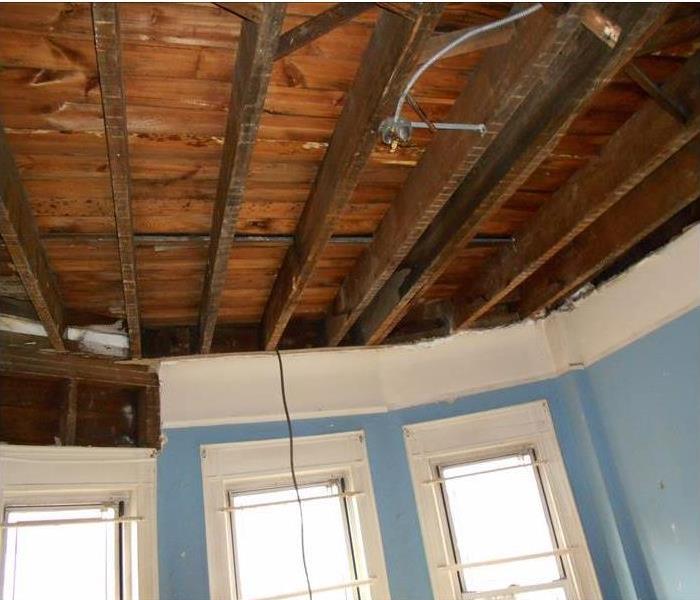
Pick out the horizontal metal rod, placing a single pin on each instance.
(329, 588)
(438, 480)
(478, 127)
(242, 239)
(53, 522)
(292, 501)
(510, 559)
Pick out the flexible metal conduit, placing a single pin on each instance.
(476, 31)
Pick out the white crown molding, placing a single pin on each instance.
(244, 388)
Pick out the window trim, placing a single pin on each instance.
(46, 475)
(253, 465)
(486, 434)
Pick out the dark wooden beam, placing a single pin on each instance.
(670, 105)
(148, 418)
(501, 82)
(105, 18)
(386, 66)
(21, 236)
(640, 146)
(69, 412)
(674, 33)
(489, 39)
(670, 188)
(250, 11)
(26, 361)
(254, 58)
(583, 65)
(317, 26)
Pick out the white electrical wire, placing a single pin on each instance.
(454, 43)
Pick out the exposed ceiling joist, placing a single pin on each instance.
(385, 68)
(323, 23)
(669, 189)
(21, 236)
(495, 37)
(582, 67)
(105, 16)
(645, 141)
(250, 11)
(496, 89)
(254, 58)
(17, 360)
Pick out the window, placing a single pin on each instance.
(78, 524)
(496, 510)
(254, 525)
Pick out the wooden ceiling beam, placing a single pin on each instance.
(386, 66)
(641, 145)
(250, 11)
(668, 190)
(21, 236)
(503, 79)
(564, 90)
(254, 58)
(489, 39)
(317, 26)
(15, 360)
(105, 18)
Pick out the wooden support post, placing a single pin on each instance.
(148, 418)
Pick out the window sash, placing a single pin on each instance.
(341, 495)
(446, 513)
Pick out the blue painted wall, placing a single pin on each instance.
(628, 428)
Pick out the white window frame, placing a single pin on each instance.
(246, 466)
(46, 475)
(486, 435)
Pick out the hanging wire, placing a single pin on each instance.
(456, 42)
(293, 472)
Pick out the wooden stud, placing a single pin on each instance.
(670, 188)
(321, 24)
(503, 79)
(583, 67)
(69, 412)
(641, 145)
(385, 68)
(254, 59)
(670, 105)
(21, 236)
(148, 418)
(105, 17)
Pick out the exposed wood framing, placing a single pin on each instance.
(105, 18)
(674, 33)
(21, 236)
(501, 82)
(314, 28)
(385, 68)
(254, 59)
(148, 418)
(583, 66)
(645, 141)
(489, 39)
(670, 188)
(16, 360)
(636, 74)
(250, 11)
(69, 412)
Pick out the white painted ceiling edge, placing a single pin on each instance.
(326, 382)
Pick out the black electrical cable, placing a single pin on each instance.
(294, 474)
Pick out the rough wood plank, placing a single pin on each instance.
(503, 79)
(489, 39)
(669, 104)
(582, 68)
(641, 145)
(21, 236)
(17, 360)
(385, 68)
(314, 28)
(69, 412)
(674, 33)
(250, 11)
(148, 418)
(254, 59)
(109, 62)
(669, 189)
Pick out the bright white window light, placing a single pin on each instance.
(75, 561)
(267, 543)
(497, 514)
